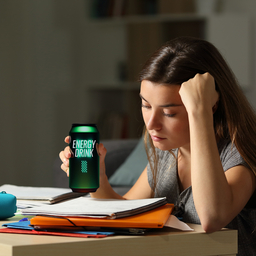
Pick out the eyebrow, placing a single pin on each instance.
(163, 106)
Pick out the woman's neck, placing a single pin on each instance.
(184, 168)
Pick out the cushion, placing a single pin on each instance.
(128, 173)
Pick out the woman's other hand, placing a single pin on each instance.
(65, 155)
(198, 93)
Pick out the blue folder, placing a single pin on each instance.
(25, 225)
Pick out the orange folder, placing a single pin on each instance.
(155, 218)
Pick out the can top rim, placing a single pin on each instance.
(80, 124)
(84, 129)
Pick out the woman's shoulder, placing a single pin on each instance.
(230, 156)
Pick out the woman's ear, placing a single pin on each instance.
(215, 107)
(216, 99)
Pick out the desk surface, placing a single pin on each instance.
(163, 242)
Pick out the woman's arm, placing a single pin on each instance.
(218, 196)
(141, 188)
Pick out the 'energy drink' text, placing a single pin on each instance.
(84, 148)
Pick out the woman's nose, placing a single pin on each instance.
(154, 122)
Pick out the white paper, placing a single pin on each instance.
(33, 193)
(84, 206)
(23, 204)
(174, 222)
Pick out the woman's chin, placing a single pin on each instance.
(161, 146)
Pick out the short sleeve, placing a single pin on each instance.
(230, 157)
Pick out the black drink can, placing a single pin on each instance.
(84, 162)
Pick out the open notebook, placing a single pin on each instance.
(43, 194)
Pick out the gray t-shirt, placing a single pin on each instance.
(168, 186)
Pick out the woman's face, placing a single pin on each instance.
(164, 115)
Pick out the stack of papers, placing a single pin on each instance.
(97, 208)
(132, 213)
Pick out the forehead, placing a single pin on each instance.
(160, 93)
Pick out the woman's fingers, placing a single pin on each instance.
(65, 169)
(199, 91)
(67, 139)
(102, 151)
(64, 157)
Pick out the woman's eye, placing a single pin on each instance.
(145, 106)
(169, 115)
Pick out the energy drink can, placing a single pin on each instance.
(84, 162)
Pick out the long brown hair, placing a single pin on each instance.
(181, 59)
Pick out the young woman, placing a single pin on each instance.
(200, 136)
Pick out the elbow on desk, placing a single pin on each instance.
(213, 220)
(210, 228)
(210, 225)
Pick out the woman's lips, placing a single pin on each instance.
(156, 138)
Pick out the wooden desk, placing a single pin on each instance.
(164, 242)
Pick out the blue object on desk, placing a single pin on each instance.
(25, 224)
(19, 225)
(7, 205)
